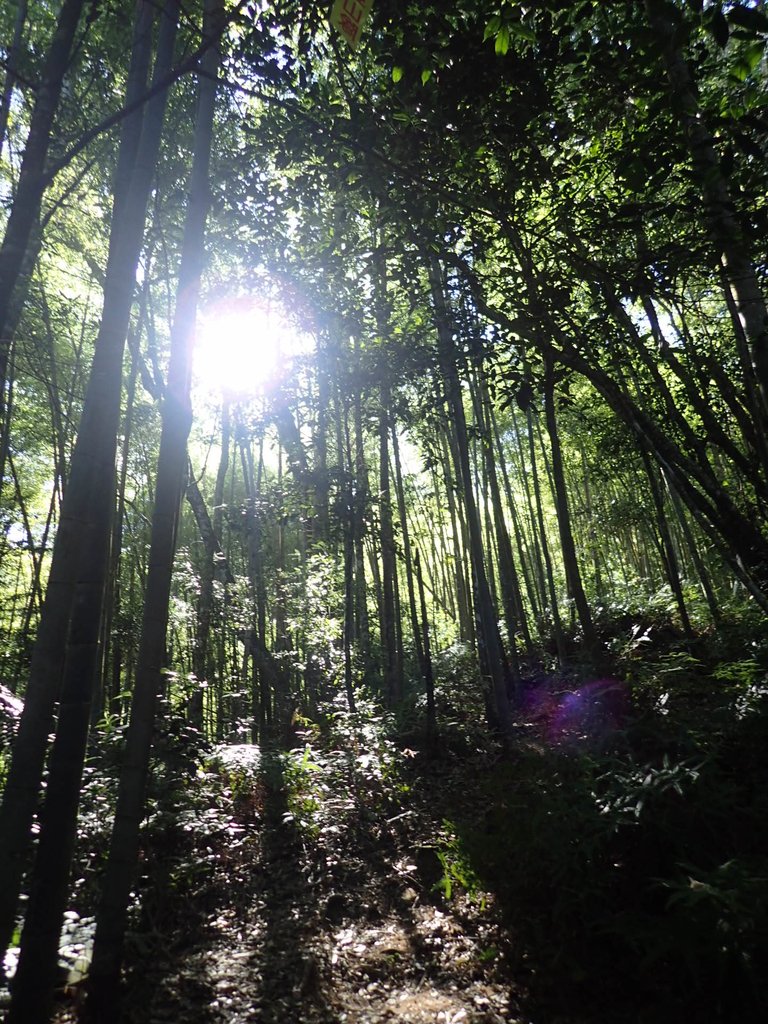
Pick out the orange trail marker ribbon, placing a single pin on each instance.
(349, 17)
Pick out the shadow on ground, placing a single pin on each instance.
(289, 963)
(633, 882)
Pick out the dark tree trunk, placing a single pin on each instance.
(171, 467)
(557, 625)
(429, 681)
(567, 544)
(82, 540)
(112, 646)
(11, 59)
(486, 613)
(464, 607)
(668, 553)
(214, 564)
(360, 510)
(523, 555)
(511, 598)
(391, 665)
(320, 468)
(29, 191)
(724, 225)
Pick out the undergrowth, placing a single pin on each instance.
(629, 851)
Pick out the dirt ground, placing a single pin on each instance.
(354, 927)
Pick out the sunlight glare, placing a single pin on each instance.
(243, 349)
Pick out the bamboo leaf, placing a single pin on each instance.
(502, 41)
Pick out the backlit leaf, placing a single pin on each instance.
(747, 61)
(492, 28)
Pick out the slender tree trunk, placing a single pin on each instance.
(698, 561)
(594, 547)
(511, 597)
(489, 637)
(349, 602)
(18, 301)
(272, 678)
(557, 625)
(222, 470)
(29, 192)
(362, 626)
(214, 563)
(567, 544)
(724, 225)
(668, 553)
(82, 539)
(172, 460)
(35, 592)
(112, 661)
(527, 480)
(407, 553)
(523, 555)
(400, 680)
(392, 663)
(391, 666)
(11, 60)
(320, 468)
(346, 505)
(480, 474)
(429, 681)
(36, 596)
(461, 584)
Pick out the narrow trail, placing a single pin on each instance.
(348, 928)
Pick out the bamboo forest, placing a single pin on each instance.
(383, 512)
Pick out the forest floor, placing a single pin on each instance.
(358, 922)
(353, 925)
(596, 876)
(375, 915)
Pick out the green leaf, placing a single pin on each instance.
(492, 28)
(502, 41)
(522, 31)
(747, 61)
(426, 74)
(397, 74)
